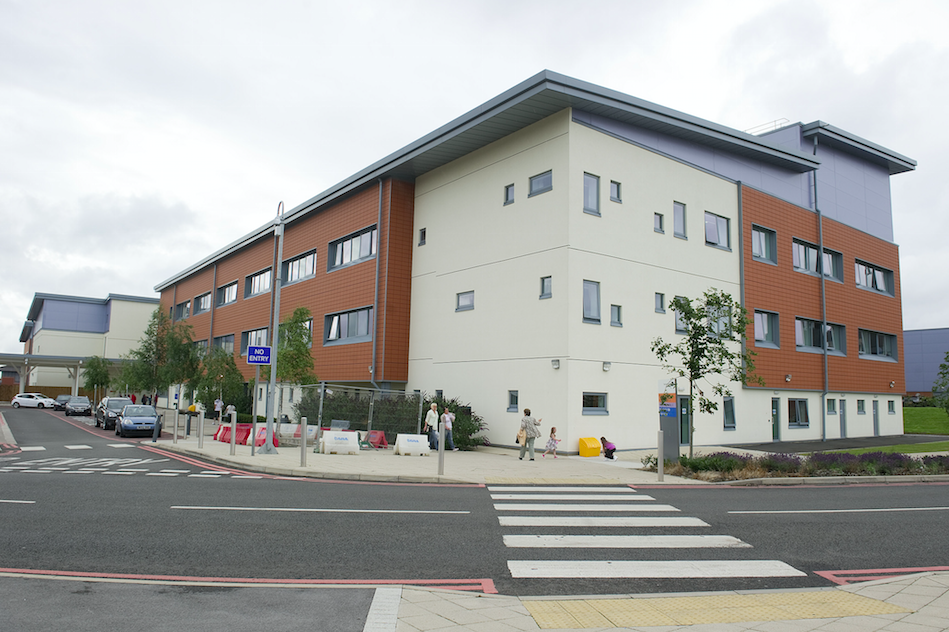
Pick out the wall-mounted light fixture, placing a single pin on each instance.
(787, 378)
(555, 364)
(606, 366)
(892, 384)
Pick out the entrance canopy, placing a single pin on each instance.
(23, 362)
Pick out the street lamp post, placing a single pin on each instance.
(268, 447)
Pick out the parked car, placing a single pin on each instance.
(61, 402)
(109, 409)
(78, 405)
(32, 400)
(136, 418)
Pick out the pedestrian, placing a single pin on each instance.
(132, 397)
(530, 427)
(218, 407)
(229, 410)
(552, 442)
(431, 426)
(608, 448)
(447, 418)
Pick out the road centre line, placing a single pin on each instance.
(18, 502)
(652, 569)
(599, 521)
(828, 511)
(315, 510)
(624, 541)
(634, 497)
(591, 507)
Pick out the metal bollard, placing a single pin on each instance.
(201, 430)
(303, 434)
(441, 448)
(660, 463)
(188, 425)
(233, 433)
(157, 431)
(174, 436)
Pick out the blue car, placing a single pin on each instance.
(136, 419)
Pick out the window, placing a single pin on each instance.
(512, 401)
(615, 191)
(877, 346)
(253, 338)
(299, 268)
(719, 322)
(833, 265)
(716, 231)
(347, 327)
(227, 294)
(861, 407)
(594, 404)
(680, 321)
(202, 303)
(509, 194)
(257, 284)
(807, 336)
(657, 223)
(182, 310)
(804, 256)
(421, 236)
(891, 407)
(678, 219)
(201, 346)
(728, 406)
(591, 302)
(225, 342)
(764, 244)
(591, 194)
(546, 287)
(355, 248)
(831, 406)
(766, 330)
(541, 184)
(616, 316)
(439, 393)
(797, 413)
(660, 303)
(871, 277)
(464, 301)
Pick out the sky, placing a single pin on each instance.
(136, 138)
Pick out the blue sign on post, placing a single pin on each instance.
(258, 355)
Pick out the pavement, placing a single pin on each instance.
(917, 602)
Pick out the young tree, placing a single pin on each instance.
(166, 355)
(713, 326)
(219, 377)
(294, 361)
(941, 385)
(96, 375)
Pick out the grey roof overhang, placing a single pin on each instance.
(850, 143)
(40, 297)
(542, 95)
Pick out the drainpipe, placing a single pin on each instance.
(375, 297)
(823, 306)
(213, 306)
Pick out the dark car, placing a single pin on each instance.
(109, 410)
(136, 418)
(61, 402)
(78, 405)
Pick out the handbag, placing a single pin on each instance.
(521, 437)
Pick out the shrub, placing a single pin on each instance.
(718, 461)
(780, 463)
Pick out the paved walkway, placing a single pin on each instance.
(913, 603)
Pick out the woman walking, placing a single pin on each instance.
(531, 428)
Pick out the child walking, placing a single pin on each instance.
(552, 442)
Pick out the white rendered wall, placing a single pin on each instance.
(128, 321)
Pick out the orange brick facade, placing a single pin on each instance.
(792, 294)
(328, 291)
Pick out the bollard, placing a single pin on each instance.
(303, 434)
(201, 430)
(234, 433)
(157, 431)
(660, 463)
(174, 436)
(188, 425)
(441, 448)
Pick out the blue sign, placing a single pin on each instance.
(258, 355)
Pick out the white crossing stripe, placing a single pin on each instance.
(204, 476)
(624, 541)
(32, 448)
(542, 507)
(605, 521)
(598, 490)
(247, 477)
(214, 472)
(79, 472)
(160, 474)
(78, 447)
(631, 497)
(176, 471)
(38, 471)
(652, 569)
(121, 445)
(120, 473)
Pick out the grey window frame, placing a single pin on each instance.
(603, 403)
(659, 223)
(546, 287)
(294, 263)
(198, 300)
(875, 272)
(679, 329)
(512, 401)
(768, 239)
(225, 342)
(591, 189)
(814, 263)
(680, 225)
(616, 191)
(795, 407)
(260, 332)
(422, 235)
(508, 194)
(589, 316)
(838, 334)
(250, 280)
(544, 182)
(660, 303)
(464, 301)
(337, 320)
(717, 221)
(616, 315)
(831, 406)
(728, 412)
(222, 292)
(891, 406)
(890, 343)
(183, 310)
(336, 249)
(861, 407)
(774, 326)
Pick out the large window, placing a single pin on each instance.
(353, 249)
(678, 219)
(257, 283)
(767, 333)
(541, 183)
(202, 303)
(591, 302)
(873, 277)
(716, 231)
(764, 244)
(299, 268)
(877, 346)
(182, 310)
(591, 194)
(253, 338)
(805, 259)
(346, 327)
(225, 342)
(595, 404)
(807, 336)
(797, 413)
(227, 294)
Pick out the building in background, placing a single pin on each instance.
(526, 253)
(925, 351)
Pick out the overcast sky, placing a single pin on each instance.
(138, 137)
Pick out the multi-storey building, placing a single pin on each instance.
(526, 253)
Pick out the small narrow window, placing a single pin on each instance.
(681, 327)
(439, 393)
(716, 231)
(658, 223)
(509, 194)
(591, 302)
(764, 244)
(512, 402)
(546, 287)
(861, 407)
(464, 301)
(541, 183)
(678, 217)
(591, 194)
(421, 236)
(660, 303)
(616, 316)
(891, 407)
(728, 406)
(616, 191)
(831, 406)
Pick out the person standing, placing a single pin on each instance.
(531, 428)
(447, 418)
(431, 426)
(218, 407)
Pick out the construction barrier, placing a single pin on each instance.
(410, 444)
(223, 434)
(339, 443)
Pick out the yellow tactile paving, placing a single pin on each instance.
(726, 608)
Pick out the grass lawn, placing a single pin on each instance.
(909, 448)
(925, 421)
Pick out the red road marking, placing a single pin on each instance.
(483, 585)
(866, 575)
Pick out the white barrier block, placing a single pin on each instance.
(409, 444)
(288, 430)
(339, 443)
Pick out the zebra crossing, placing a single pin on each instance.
(596, 509)
(106, 466)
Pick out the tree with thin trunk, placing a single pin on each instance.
(165, 355)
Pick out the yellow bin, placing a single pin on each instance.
(589, 446)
